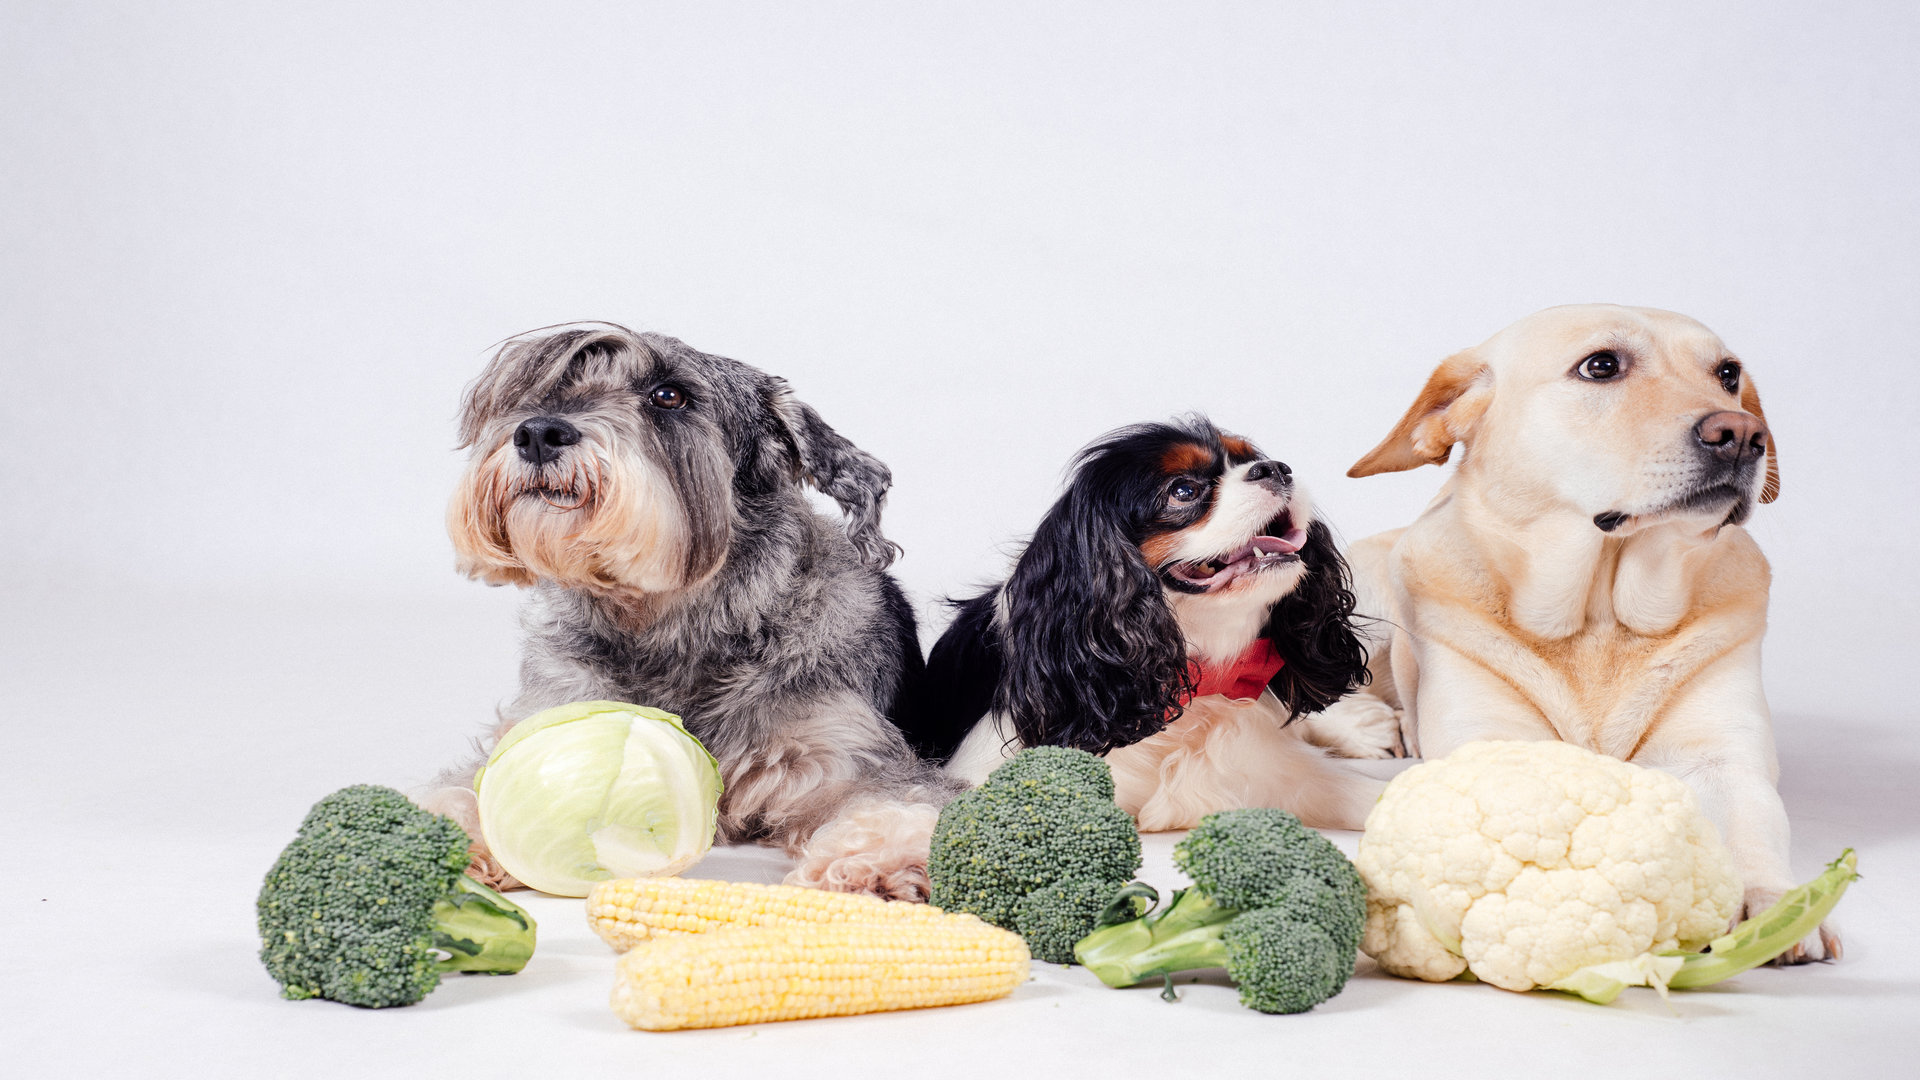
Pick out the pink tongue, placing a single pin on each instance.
(1285, 544)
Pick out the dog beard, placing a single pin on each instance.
(593, 520)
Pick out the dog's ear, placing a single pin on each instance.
(1750, 401)
(1449, 406)
(1092, 656)
(1312, 629)
(855, 479)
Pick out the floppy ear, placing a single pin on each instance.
(855, 479)
(1092, 657)
(1312, 629)
(1750, 401)
(1449, 406)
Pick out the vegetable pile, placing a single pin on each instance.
(1543, 865)
(1528, 865)
(596, 790)
(1273, 902)
(702, 954)
(370, 904)
(1040, 848)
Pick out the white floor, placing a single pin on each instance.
(160, 750)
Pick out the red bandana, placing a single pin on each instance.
(1249, 673)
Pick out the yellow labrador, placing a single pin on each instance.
(1583, 575)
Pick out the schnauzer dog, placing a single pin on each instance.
(650, 496)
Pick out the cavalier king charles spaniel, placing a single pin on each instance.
(1176, 609)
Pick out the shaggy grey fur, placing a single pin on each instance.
(785, 646)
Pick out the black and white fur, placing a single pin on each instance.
(1171, 543)
(650, 497)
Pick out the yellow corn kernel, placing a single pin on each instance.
(627, 911)
(753, 974)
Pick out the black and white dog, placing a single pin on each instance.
(650, 496)
(1175, 610)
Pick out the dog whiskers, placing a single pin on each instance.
(582, 483)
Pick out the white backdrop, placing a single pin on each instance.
(250, 253)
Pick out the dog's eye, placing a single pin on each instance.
(1599, 367)
(1729, 372)
(1183, 491)
(668, 397)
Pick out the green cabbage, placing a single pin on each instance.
(595, 790)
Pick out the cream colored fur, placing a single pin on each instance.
(1221, 754)
(614, 526)
(1509, 614)
(874, 846)
(1224, 754)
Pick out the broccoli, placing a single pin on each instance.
(1282, 964)
(1273, 902)
(1056, 765)
(1054, 918)
(370, 903)
(1045, 818)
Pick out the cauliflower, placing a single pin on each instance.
(1526, 862)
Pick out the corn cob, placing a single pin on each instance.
(627, 911)
(752, 974)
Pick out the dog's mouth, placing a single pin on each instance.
(1278, 544)
(1737, 505)
(569, 491)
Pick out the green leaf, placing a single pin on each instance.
(1772, 932)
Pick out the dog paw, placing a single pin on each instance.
(1357, 727)
(485, 869)
(858, 874)
(876, 848)
(1822, 944)
(463, 806)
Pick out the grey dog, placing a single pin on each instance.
(650, 496)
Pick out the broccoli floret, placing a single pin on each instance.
(1261, 858)
(1038, 820)
(1340, 910)
(1053, 919)
(1055, 765)
(1273, 902)
(1283, 964)
(371, 903)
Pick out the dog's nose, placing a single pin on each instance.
(1733, 437)
(539, 440)
(1261, 470)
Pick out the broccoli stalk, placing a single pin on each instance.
(1187, 936)
(481, 931)
(1273, 902)
(371, 903)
